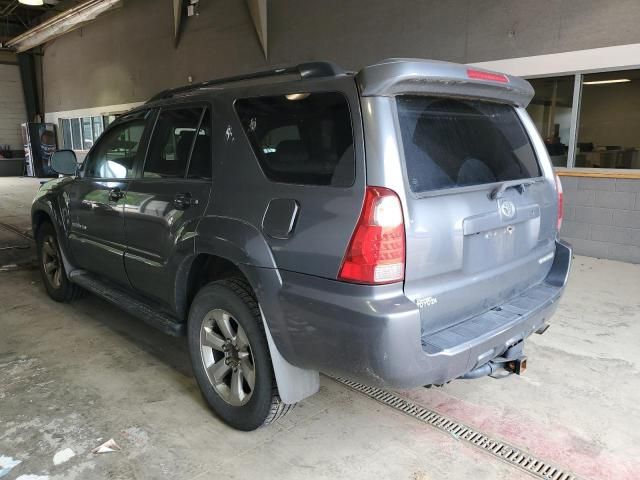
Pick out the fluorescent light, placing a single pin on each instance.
(603, 82)
(35, 3)
(60, 24)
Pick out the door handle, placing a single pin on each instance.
(182, 201)
(115, 194)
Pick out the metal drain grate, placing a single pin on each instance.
(512, 455)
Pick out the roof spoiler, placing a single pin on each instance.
(397, 76)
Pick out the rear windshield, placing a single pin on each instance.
(457, 143)
(302, 138)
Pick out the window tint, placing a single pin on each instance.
(114, 155)
(171, 143)
(454, 143)
(301, 138)
(200, 163)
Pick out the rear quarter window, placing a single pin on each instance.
(452, 143)
(302, 138)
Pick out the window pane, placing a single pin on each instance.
(97, 127)
(87, 133)
(115, 154)
(108, 119)
(550, 110)
(76, 134)
(173, 137)
(609, 120)
(66, 133)
(301, 138)
(200, 165)
(455, 143)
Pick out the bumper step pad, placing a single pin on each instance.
(494, 320)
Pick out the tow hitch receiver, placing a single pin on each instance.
(517, 366)
(512, 360)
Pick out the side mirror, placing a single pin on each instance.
(64, 162)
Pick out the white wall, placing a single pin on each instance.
(12, 110)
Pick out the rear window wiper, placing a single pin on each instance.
(519, 185)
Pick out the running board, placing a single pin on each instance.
(145, 311)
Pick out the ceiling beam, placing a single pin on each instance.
(177, 21)
(61, 24)
(258, 11)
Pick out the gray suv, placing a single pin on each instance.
(397, 227)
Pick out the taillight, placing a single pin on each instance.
(560, 202)
(376, 251)
(488, 76)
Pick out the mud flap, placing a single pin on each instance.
(294, 383)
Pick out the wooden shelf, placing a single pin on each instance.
(598, 173)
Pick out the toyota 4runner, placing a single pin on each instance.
(396, 227)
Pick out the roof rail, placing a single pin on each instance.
(304, 70)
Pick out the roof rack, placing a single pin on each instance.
(304, 70)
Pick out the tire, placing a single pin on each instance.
(52, 268)
(228, 348)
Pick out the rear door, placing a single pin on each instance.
(168, 198)
(481, 214)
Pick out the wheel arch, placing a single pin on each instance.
(42, 212)
(218, 257)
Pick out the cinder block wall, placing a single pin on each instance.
(602, 217)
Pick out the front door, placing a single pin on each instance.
(96, 201)
(164, 204)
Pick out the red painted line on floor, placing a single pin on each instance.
(556, 444)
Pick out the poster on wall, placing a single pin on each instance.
(40, 142)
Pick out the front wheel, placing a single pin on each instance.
(230, 355)
(52, 269)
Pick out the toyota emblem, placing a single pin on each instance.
(508, 209)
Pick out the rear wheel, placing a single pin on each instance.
(52, 269)
(230, 355)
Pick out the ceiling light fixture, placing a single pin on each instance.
(32, 3)
(604, 82)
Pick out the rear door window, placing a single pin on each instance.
(200, 162)
(171, 143)
(303, 138)
(458, 142)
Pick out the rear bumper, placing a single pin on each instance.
(373, 334)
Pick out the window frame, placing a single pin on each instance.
(578, 77)
(177, 106)
(288, 91)
(81, 138)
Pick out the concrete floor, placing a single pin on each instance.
(73, 376)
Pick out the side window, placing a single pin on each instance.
(171, 143)
(200, 164)
(114, 155)
(303, 138)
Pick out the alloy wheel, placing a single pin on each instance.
(51, 262)
(227, 357)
